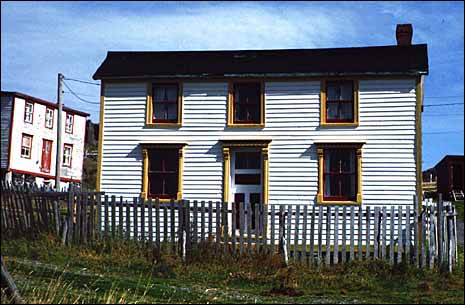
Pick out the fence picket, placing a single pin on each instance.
(415, 230)
(368, 235)
(344, 235)
(312, 236)
(384, 231)
(241, 227)
(288, 228)
(218, 225)
(320, 235)
(399, 235)
(272, 228)
(233, 226)
(328, 236)
(431, 237)
(303, 256)
(336, 236)
(296, 233)
(135, 221)
(202, 220)
(376, 239)
(391, 235)
(128, 220)
(150, 221)
(172, 226)
(352, 229)
(407, 236)
(157, 224)
(360, 233)
(225, 227)
(142, 218)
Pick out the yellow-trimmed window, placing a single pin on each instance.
(164, 104)
(339, 174)
(246, 104)
(339, 103)
(162, 172)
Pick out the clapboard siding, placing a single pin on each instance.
(5, 115)
(292, 116)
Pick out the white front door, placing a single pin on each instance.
(246, 182)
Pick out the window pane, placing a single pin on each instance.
(339, 91)
(347, 91)
(164, 111)
(27, 141)
(333, 91)
(247, 102)
(332, 110)
(346, 111)
(163, 160)
(247, 178)
(165, 93)
(248, 160)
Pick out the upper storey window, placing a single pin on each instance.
(28, 112)
(164, 104)
(49, 118)
(339, 103)
(69, 123)
(246, 105)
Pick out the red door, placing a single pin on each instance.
(46, 155)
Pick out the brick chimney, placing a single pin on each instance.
(404, 34)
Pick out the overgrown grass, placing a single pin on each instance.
(45, 272)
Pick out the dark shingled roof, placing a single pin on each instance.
(43, 102)
(398, 60)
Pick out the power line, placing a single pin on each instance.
(82, 81)
(83, 94)
(447, 104)
(78, 97)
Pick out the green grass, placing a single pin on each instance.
(123, 273)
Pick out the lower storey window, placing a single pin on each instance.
(26, 146)
(340, 174)
(163, 173)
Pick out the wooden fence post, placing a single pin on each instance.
(415, 231)
(440, 216)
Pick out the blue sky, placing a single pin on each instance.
(41, 39)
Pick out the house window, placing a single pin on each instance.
(26, 146)
(339, 102)
(340, 174)
(246, 104)
(67, 155)
(162, 172)
(69, 123)
(49, 118)
(164, 104)
(28, 112)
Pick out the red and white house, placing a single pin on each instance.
(29, 140)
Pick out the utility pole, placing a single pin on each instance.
(60, 110)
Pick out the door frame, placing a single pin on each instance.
(44, 141)
(263, 145)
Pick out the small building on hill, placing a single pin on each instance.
(29, 140)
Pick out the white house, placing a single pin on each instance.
(311, 126)
(29, 140)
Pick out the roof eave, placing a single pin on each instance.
(270, 75)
